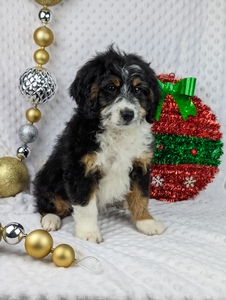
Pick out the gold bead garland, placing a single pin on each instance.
(43, 37)
(38, 86)
(39, 243)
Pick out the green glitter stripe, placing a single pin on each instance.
(176, 149)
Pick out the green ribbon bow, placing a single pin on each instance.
(180, 91)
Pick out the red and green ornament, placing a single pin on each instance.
(188, 142)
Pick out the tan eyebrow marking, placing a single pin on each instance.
(94, 91)
(136, 81)
(116, 81)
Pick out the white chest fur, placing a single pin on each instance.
(118, 150)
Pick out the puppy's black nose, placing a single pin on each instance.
(127, 114)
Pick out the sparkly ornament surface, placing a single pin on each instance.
(28, 133)
(37, 86)
(13, 176)
(179, 182)
(188, 150)
(204, 125)
(176, 149)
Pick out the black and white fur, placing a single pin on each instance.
(103, 156)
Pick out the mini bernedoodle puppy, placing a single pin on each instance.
(103, 156)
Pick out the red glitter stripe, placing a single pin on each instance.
(173, 177)
(203, 125)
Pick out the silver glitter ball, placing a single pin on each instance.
(13, 233)
(37, 86)
(28, 133)
(23, 152)
(45, 15)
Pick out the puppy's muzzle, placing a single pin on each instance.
(127, 115)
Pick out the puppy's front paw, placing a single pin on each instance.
(150, 227)
(92, 235)
(50, 222)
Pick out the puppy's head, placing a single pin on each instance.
(120, 89)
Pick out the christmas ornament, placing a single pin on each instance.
(13, 176)
(188, 142)
(38, 86)
(39, 243)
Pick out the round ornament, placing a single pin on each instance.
(13, 233)
(188, 142)
(63, 255)
(28, 133)
(45, 15)
(37, 86)
(48, 2)
(38, 243)
(23, 152)
(41, 57)
(43, 36)
(33, 115)
(13, 176)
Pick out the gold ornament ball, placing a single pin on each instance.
(48, 2)
(1, 232)
(41, 56)
(13, 176)
(43, 36)
(38, 243)
(63, 255)
(33, 115)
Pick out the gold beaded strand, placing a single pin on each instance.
(39, 243)
(38, 86)
(36, 93)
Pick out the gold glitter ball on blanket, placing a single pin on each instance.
(38, 243)
(13, 176)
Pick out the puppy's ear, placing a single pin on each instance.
(84, 89)
(155, 95)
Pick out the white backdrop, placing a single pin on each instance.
(181, 36)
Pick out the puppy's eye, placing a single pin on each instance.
(136, 90)
(111, 88)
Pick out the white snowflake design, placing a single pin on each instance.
(157, 181)
(189, 182)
